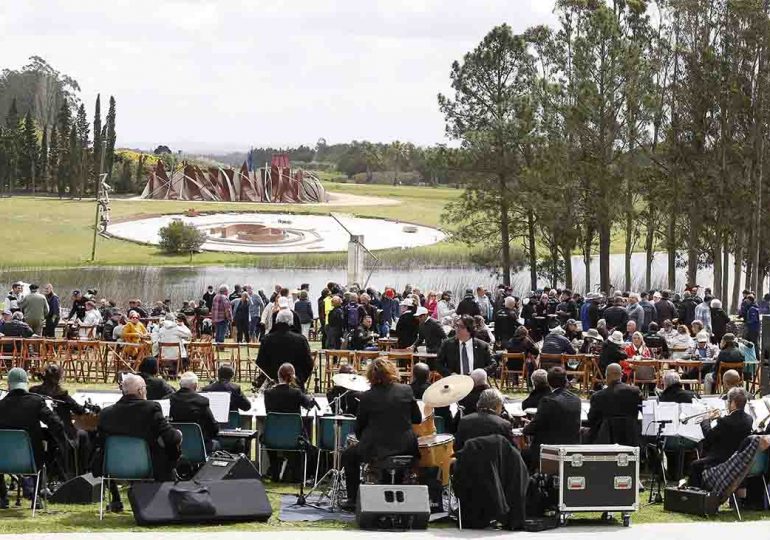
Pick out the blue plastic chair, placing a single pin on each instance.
(326, 437)
(282, 432)
(18, 458)
(193, 446)
(125, 458)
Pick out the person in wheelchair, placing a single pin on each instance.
(383, 426)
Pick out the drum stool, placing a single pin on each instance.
(391, 470)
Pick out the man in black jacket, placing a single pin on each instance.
(348, 402)
(558, 417)
(25, 411)
(725, 437)
(616, 316)
(485, 421)
(673, 391)
(335, 326)
(187, 406)
(134, 416)
(468, 305)
(468, 403)
(686, 311)
(284, 345)
(157, 388)
(613, 416)
(463, 353)
(225, 374)
(506, 321)
(430, 331)
(383, 426)
(420, 379)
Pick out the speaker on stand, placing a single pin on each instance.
(763, 356)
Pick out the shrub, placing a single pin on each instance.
(178, 237)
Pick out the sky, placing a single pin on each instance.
(222, 75)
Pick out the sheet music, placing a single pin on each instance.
(691, 430)
(759, 411)
(649, 428)
(219, 402)
(102, 399)
(714, 402)
(258, 406)
(165, 406)
(668, 411)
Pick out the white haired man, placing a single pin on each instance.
(189, 406)
(673, 392)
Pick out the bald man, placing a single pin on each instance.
(730, 379)
(614, 412)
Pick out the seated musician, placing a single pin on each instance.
(65, 407)
(225, 374)
(283, 345)
(157, 388)
(383, 427)
(673, 392)
(463, 353)
(135, 416)
(286, 397)
(468, 403)
(730, 379)
(485, 421)
(23, 410)
(539, 391)
(614, 412)
(725, 437)
(430, 332)
(420, 379)
(350, 398)
(189, 406)
(558, 417)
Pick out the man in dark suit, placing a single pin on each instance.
(463, 353)
(613, 416)
(725, 437)
(188, 406)
(383, 426)
(468, 403)
(539, 391)
(134, 416)
(420, 379)
(673, 392)
(22, 410)
(557, 420)
(225, 374)
(157, 388)
(430, 331)
(348, 402)
(485, 421)
(284, 345)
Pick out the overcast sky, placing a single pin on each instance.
(225, 75)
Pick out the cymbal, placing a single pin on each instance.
(448, 390)
(351, 381)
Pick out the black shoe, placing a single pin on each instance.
(349, 505)
(115, 507)
(4, 503)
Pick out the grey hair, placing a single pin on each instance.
(539, 377)
(188, 380)
(479, 377)
(131, 384)
(490, 399)
(670, 378)
(634, 295)
(510, 302)
(716, 304)
(223, 289)
(738, 396)
(285, 316)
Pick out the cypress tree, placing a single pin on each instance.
(97, 137)
(110, 137)
(53, 159)
(43, 161)
(28, 154)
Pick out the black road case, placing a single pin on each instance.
(594, 477)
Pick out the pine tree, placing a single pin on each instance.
(12, 144)
(53, 159)
(28, 155)
(43, 161)
(83, 153)
(74, 162)
(97, 138)
(64, 168)
(110, 137)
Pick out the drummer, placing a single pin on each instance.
(485, 421)
(420, 379)
(383, 425)
(350, 398)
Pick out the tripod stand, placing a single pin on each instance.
(334, 477)
(657, 453)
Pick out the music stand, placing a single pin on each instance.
(335, 475)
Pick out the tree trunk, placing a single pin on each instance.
(505, 233)
(717, 286)
(671, 248)
(725, 271)
(587, 260)
(692, 255)
(532, 249)
(649, 243)
(629, 247)
(737, 263)
(567, 268)
(554, 266)
(605, 237)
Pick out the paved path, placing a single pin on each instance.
(659, 531)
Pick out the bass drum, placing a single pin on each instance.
(425, 428)
(437, 451)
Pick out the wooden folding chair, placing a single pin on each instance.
(577, 367)
(639, 368)
(364, 357)
(518, 372)
(170, 359)
(547, 361)
(404, 361)
(332, 359)
(686, 368)
(724, 366)
(201, 357)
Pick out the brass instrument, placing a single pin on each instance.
(709, 414)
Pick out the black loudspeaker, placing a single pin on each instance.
(392, 507)
(233, 500)
(80, 490)
(226, 467)
(690, 501)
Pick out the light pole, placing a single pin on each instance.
(99, 180)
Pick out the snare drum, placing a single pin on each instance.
(520, 440)
(437, 451)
